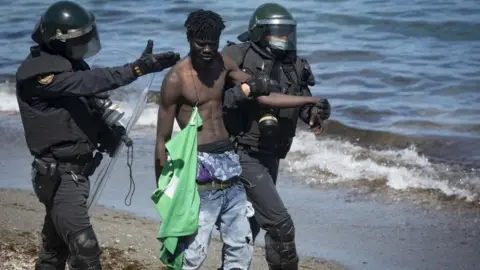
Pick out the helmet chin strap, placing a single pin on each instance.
(285, 56)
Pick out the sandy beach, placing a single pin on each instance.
(127, 241)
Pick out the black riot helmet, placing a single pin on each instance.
(69, 30)
(272, 26)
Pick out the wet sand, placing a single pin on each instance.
(361, 228)
(128, 241)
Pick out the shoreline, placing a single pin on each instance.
(128, 241)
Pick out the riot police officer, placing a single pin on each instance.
(66, 118)
(264, 135)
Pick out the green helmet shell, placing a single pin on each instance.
(268, 15)
(67, 23)
(64, 20)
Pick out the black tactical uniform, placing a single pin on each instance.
(66, 117)
(269, 47)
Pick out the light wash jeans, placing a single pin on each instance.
(228, 210)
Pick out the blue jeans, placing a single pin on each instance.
(229, 210)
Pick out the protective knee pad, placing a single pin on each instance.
(280, 249)
(84, 250)
(283, 231)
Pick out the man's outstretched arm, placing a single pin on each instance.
(169, 95)
(277, 100)
(264, 90)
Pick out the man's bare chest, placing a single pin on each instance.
(196, 91)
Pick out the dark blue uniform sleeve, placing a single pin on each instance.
(308, 79)
(233, 97)
(84, 83)
(235, 51)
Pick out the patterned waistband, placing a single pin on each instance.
(222, 167)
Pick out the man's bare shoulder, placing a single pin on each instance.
(170, 79)
(172, 84)
(173, 75)
(184, 65)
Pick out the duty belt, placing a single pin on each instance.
(84, 166)
(253, 149)
(277, 150)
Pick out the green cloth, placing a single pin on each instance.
(176, 198)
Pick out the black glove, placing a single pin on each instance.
(110, 139)
(262, 85)
(320, 111)
(149, 63)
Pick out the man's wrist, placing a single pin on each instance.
(136, 69)
(245, 89)
(313, 100)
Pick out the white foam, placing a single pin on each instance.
(149, 118)
(333, 161)
(8, 101)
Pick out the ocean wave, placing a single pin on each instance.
(333, 160)
(343, 154)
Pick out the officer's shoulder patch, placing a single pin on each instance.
(45, 79)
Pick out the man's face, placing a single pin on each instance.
(203, 50)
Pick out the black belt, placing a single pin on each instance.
(84, 165)
(253, 149)
(217, 185)
(78, 159)
(80, 169)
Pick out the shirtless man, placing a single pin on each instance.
(198, 80)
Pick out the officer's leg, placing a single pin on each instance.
(272, 165)
(270, 212)
(53, 252)
(70, 215)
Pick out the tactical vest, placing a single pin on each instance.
(57, 127)
(252, 60)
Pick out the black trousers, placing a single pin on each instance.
(64, 195)
(259, 175)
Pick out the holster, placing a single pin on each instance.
(90, 167)
(45, 180)
(45, 168)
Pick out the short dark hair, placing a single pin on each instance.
(204, 25)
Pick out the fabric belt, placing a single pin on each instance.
(217, 185)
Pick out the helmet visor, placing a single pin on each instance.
(84, 46)
(281, 36)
